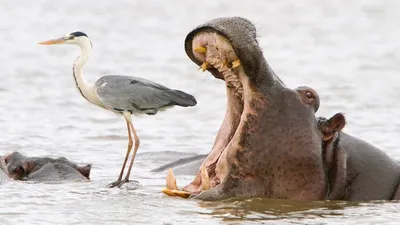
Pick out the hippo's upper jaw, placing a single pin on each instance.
(268, 131)
(238, 39)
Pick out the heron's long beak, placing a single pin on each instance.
(53, 41)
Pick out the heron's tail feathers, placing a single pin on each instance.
(181, 98)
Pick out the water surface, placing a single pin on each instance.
(349, 51)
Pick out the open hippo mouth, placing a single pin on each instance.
(228, 48)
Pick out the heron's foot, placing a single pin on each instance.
(130, 185)
(116, 183)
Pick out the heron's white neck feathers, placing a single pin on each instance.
(86, 89)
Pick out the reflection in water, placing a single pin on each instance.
(274, 209)
(261, 209)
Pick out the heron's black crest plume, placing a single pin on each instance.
(78, 34)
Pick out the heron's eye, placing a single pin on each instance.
(71, 37)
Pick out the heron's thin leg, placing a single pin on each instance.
(137, 143)
(128, 151)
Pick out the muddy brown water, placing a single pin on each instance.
(349, 51)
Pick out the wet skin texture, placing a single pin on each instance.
(270, 143)
(358, 171)
(44, 169)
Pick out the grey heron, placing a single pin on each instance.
(123, 95)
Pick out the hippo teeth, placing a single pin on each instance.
(236, 63)
(204, 66)
(171, 187)
(201, 50)
(218, 58)
(173, 190)
(171, 180)
(205, 179)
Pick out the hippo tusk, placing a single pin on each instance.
(171, 180)
(171, 187)
(205, 179)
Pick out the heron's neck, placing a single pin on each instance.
(86, 89)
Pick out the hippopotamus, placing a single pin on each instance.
(44, 169)
(270, 143)
(358, 171)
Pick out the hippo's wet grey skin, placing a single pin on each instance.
(51, 172)
(185, 166)
(268, 144)
(328, 128)
(359, 171)
(44, 169)
(372, 174)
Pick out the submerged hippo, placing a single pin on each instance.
(44, 169)
(357, 170)
(270, 143)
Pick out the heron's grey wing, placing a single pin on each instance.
(137, 94)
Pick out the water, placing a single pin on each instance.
(347, 50)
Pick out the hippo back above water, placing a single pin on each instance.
(44, 169)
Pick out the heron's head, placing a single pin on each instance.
(77, 38)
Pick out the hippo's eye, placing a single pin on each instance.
(20, 171)
(309, 94)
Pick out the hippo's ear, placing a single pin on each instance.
(85, 170)
(332, 126)
(7, 158)
(337, 122)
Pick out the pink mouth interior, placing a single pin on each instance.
(219, 51)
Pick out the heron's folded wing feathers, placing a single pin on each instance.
(133, 93)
